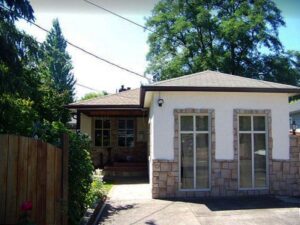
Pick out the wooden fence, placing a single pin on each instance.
(32, 170)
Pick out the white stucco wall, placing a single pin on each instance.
(151, 142)
(162, 119)
(86, 124)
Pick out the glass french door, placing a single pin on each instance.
(194, 151)
(252, 151)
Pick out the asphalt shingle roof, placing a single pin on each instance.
(206, 79)
(216, 79)
(130, 97)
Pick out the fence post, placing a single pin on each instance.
(65, 177)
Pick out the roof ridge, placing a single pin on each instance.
(104, 96)
(181, 77)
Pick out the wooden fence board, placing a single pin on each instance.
(3, 175)
(32, 176)
(50, 188)
(41, 182)
(12, 170)
(58, 185)
(22, 172)
(32, 170)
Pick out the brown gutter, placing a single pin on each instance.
(82, 106)
(144, 89)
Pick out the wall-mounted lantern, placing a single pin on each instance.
(160, 102)
(294, 127)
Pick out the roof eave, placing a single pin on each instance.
(144, 89)
(81, 106)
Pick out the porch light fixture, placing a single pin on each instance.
(294, 127)
(160, 102)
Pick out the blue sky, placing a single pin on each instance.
(117, 40)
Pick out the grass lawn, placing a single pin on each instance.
(107, 186)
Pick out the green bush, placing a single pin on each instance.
(97, 191)
(80, 167)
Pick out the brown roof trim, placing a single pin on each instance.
(144, 89)
(81, 106)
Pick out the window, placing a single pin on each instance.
(126, 133)
(252, 151)
(102, 132)
(194, 152)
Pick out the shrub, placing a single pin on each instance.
(80, 167)
(97, 191)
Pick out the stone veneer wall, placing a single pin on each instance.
(284, 175)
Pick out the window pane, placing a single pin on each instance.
(98, 124)
(260, 166)
(245, 123)
(187, 161)
(129, 142)
(129, 133)
(259, 123)
(122, 133)
(98, 138)
(186, 123)
(202, 161)
(121, 124)
(245, 161)
(202, 123)
(129, 124)
(121, 141)
(106, 137)
(106, 124)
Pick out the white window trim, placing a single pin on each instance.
(102, 129)
(194, 132)
(252, 132)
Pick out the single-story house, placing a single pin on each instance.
(204, 134)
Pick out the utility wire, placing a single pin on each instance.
(84, 86)
(81, 49)
(118, 15)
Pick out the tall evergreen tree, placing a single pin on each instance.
(19, 78)
(60, 67)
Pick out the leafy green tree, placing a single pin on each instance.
(60, 67)
(230, 36)
(93, 95)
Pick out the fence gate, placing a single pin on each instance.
(32, 170)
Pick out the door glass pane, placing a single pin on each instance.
(186, 123)
(106, 137)
(121, 141)
(244, 123)
(201, 123)
(98, 137)
(98, 124)
(106, 124)
(187, 161)
(121, 124)
(202, 161)
(129, 124)
(129, 142)
(259, 123)
(245, 161)
(260, 166)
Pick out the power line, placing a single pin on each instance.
(118, 15)
(84, 86)
(82, 49)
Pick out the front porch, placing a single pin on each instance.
(119, 141)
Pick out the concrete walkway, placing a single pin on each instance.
(132, 204)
